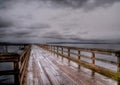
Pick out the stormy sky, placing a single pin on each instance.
(59, 20)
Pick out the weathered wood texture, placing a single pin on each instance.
(46, 69)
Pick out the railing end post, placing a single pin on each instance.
(118, 60)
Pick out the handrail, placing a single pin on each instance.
(23, 64)
(96, 50)
(59, 50)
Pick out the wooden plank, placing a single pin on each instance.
(49, 71)
(43, 78)
(54, 76)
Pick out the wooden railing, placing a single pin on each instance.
(78, 55)
(11, 57)
(23, 65)
(19, 63)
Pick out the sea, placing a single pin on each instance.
(99, 46)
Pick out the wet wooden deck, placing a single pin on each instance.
(45, 68)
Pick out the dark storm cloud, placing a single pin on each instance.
(82, 3)
(5, 23)
(100, 3)
(3, 3)
(72, 3)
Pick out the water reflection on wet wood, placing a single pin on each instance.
(47, 69)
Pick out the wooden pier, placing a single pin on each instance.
(62, 65)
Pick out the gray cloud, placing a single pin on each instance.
(3, 3)
(58, 19)
(57, 35)
(102, 2)
(53, 34)
(85, 4)
(70, 3)
(93, 4)
(40, 26)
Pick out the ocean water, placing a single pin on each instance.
(100, 46)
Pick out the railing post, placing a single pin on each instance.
(48, 48)
(62, 52)
(57, 51)
(118, 61)
(78, 58)
(54, 50)
(68, 55)
(93, 62)
(51, 49)
(93, 58)
(16, 76)
(118, 66)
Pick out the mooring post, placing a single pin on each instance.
(78, 58)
